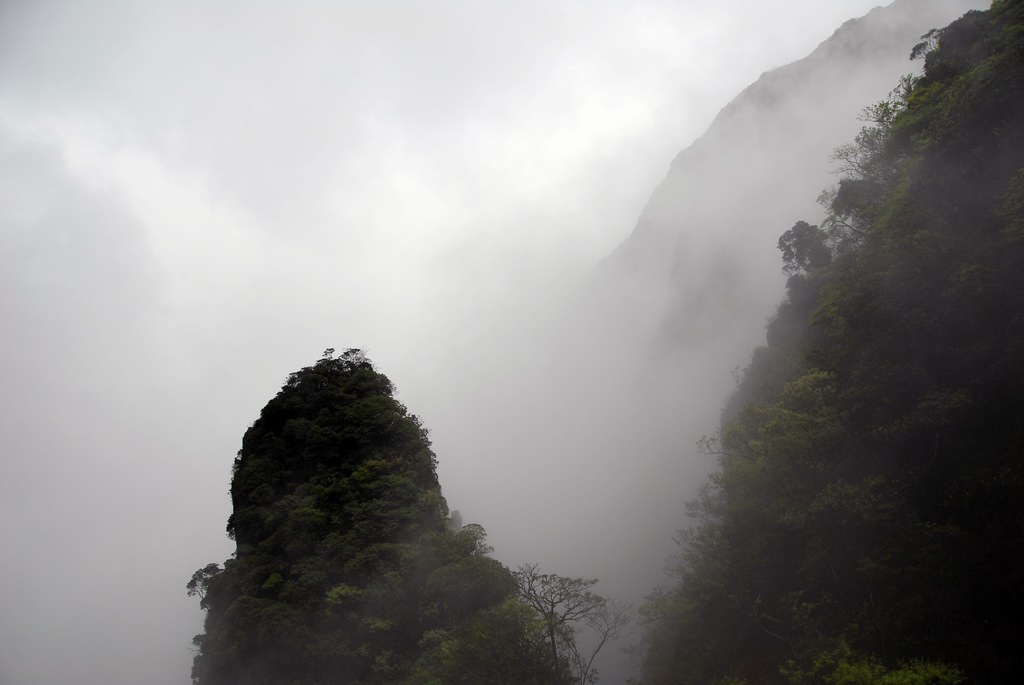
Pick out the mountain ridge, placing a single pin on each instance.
(858, 64)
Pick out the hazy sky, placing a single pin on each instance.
(199, 197)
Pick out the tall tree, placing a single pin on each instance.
(564, 605)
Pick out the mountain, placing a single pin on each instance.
(666, 320)
(347, 567)
(699, 269)
(683, 301)
(867, 524)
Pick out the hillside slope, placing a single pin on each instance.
(684, 300)
(867, 524)
(698, 270)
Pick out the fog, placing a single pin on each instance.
(199, 198)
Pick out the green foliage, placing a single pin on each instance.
(865, 526)
(346, 567)
(503, 644)
(200, 582)
(842, 666)
(803, 248)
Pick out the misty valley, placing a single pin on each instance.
(549, 342)
(861, 521)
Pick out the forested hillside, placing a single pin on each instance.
(683, 301)
(349, 569)
(867, 524)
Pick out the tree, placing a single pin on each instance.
(606, 624)
(804, 248)
(562, 604)
(200, 583)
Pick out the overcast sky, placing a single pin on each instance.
(200, 197)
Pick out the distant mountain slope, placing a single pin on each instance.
(700, 267)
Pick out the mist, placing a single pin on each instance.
(200, 198)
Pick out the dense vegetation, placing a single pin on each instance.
(348, 568)
(867, 524)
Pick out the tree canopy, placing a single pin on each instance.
(344, 557)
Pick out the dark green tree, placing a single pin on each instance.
(804, 248)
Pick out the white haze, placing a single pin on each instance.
(199, 197)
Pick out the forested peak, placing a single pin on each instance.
(337, 418)
(331, 383)
(338, 520)
(350, 372)
(348, 568)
